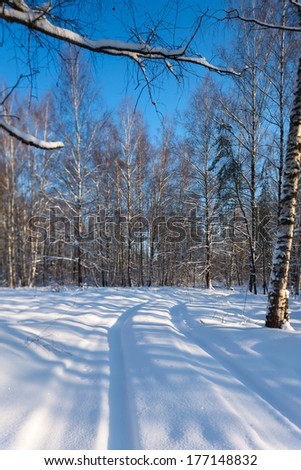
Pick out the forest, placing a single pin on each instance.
(150, 270)
(194, 205)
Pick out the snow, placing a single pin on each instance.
(34, 20)
(287, 326)
(29, 139)
(160, 368)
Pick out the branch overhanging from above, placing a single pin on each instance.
(36, 19)
(29, 139)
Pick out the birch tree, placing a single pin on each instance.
(202, 131)
(9, 153)
(277, 309)
(161, 193)
(51, 24)
(248, 112)
(79, 124)
(23, 193)
(105, 194)
(277, 312)
(127, 171)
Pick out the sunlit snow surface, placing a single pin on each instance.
(158, 368)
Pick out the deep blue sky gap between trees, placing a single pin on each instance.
(116, 78)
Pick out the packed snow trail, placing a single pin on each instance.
(121, 426)
(184, 397)
(146, 369)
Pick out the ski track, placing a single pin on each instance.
(134, 370)
(122, 433)
(191, 356)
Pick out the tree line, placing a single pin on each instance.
(197, 205)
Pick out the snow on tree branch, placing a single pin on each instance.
(296, 3)
(19, 5)
(33, 18)
(29, 139)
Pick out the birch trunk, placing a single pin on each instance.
(277, 310)
(281, 105)
(208, 237)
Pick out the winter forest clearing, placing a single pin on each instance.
(90, 195)
(160, 368)
(114, 227)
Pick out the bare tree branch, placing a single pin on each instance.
(234, 14)
(19, 12)
(40, 20)
(11, 90)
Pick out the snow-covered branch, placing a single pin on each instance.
(19, 12)
(29, 139)
(296, 3)
(40, 19)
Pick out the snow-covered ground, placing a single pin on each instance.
(146, 369)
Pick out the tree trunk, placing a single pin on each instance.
(208, 256)
(208, 239)
(281, 104)
(277, 310)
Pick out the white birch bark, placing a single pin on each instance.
(277, 310)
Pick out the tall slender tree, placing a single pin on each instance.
(202, 126)
(79, 123)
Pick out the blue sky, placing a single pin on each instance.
(114, 76)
